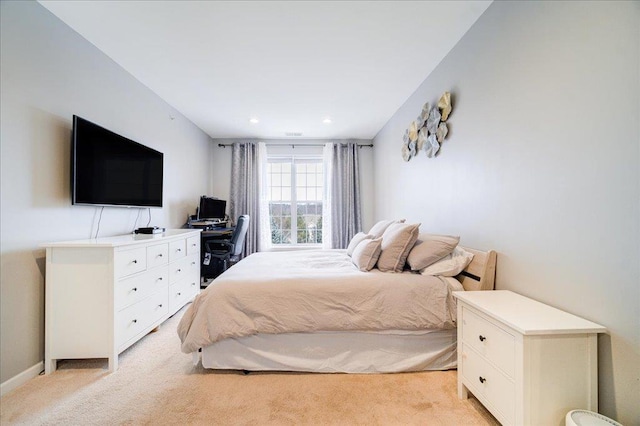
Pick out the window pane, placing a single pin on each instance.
(286, 193)
(276, 180)
(286, 179)
(301, 167)
(275, 167)
(311, 179)
(301, 193)
(301, 179)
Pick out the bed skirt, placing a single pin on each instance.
(336, 352)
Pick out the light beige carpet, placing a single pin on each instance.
(157, 384)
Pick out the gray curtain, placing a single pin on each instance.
(245, 190)
(346, 213)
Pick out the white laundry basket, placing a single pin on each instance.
(588, 418)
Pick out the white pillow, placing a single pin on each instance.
(366, 254)
(378, 229)
(397, 241)
(451, 265)
(357, 239)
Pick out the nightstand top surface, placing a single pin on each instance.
(527, 316)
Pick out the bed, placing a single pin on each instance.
(314, 311)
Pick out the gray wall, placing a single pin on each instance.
(541, 164)
(221, 171)
(48, 74)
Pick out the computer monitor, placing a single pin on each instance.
(211, 208)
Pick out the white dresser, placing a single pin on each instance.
(103, 295)
(527, 362)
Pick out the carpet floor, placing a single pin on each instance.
(157, 384)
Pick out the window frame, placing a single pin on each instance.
(294, 160)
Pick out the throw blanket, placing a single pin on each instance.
(314, 290)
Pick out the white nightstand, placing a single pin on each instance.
(527, 362)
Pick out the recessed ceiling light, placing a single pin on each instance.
(254, 120)
(327, 120)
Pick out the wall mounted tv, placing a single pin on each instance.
(110, 170)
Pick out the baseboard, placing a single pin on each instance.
(22, 378)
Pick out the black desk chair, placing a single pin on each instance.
(220, 254)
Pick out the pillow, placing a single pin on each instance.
(378, 229)
(451, 265)
(366, 254)
(397, 241)
(429, 249)
(359, 237)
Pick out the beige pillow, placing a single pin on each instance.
(359, 237)
(378, 229)
(397, 241)
(429, 249)
(366, 254)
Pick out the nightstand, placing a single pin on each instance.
(526, 362)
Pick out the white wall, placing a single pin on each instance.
(541, 164)
(48, 74)
(221, 171)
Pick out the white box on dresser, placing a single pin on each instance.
(527, 362)
(103, 295)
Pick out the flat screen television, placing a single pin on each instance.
(110, 170)
(211, 208)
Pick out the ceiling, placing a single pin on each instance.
(290, 64)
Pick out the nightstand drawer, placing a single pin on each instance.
(488, 383)
(492, 342)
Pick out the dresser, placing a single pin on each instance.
(103, 295)
(526, 362)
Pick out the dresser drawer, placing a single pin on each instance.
(193, 266)
(177, 249)
(180, 293)
(487, 382)
(130, 290)
(138, 317)
(193, 245)
(489, 340)
(177, 271)
(157, 255)
(129, 262)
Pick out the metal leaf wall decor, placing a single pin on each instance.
(429, 130)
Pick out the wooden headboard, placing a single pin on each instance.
(481, 272)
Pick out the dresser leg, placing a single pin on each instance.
(113, 363)
(50, 365)
(463, 393)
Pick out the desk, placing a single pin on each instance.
(211, 271)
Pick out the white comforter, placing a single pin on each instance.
(317, 290)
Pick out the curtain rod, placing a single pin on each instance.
(293, 145)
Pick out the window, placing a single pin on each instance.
(295, 200)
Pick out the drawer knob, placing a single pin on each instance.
(160, 255)
(134, 261)
(159, 278)
(179, 294)
(193, 283)
(160, 305)
(482, 338)
(134, 321)
(179, 270)
(179, 250)
(193, 245)
(482, 379)
(135, 289)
